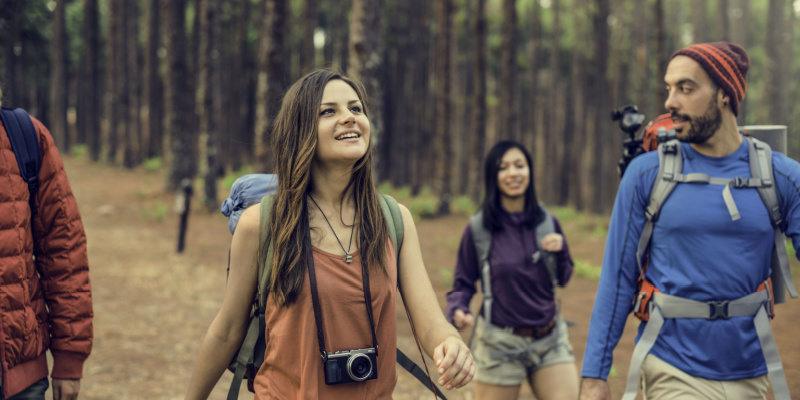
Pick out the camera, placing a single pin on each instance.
(630, 120)
(351, 366)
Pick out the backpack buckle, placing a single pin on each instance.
(719, 309)
(740, 182)
(670, 148)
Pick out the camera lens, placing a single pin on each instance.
(359, 367)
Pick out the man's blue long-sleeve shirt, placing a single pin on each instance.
(697, 252)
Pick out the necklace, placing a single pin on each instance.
(347, 257)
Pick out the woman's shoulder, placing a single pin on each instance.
(250, 221)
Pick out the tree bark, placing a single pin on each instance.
(133, 137)
(153, 89)
(308, 52)
(444, 146)
(699, 16)
(366, 63)
(477, 125)
(179, 110)
(602, 163)
(89, 105)
(553, 132)
(507, 110)
(58, 79)
(209, 98)
(775, 86)
(272, 61)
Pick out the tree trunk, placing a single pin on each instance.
(444, 146)
(308, 52)
(89, 104)
(209, 97)
(58, 79)
(775, 85)
(366, 63)
(602, 163)
(153, 89)
(535, 109)
(179, 110)
(477, 124)
(133, 138)
(272, 60)
(661, 50)
(553, 133)
(724, 21)
(699, 16)
(507, 114)
(422, 130)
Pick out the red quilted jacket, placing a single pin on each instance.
(57, 280)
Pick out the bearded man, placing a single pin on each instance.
(698, 249)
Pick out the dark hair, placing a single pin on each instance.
(295, 134)
(492, 207)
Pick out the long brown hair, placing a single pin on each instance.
(295, 139)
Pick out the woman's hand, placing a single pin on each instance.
(553, 242)
(463, 320)
(454, 363)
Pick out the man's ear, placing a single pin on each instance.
(723, 98)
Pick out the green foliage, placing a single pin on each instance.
(463, 205)
(79, 151)
(152, 164)
(227, 182)
(156, 211)
(563, 214)
(613, 373)
(423, 207)
(587, 271)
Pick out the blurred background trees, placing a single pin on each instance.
(195, 84)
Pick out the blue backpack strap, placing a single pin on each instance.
(25, 143)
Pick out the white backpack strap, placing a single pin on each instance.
(482, 240)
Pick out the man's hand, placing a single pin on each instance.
(66, 389)
(463, 320)
(594, 389)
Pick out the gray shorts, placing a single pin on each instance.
(505, 359)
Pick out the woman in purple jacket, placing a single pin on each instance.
(526, 338)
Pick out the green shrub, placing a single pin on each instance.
(463, 205)
(446, 276)
(563, 214)
(587, 271)
(423, 207)
(152, 164)
(79, 151)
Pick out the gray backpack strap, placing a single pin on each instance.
(670, 165)
(482, 240)
(251, 352)
(394, 220)
(546, 227)
(761, 169)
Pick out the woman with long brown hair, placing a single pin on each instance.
(331, 252)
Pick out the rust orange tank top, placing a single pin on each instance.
(292, 366)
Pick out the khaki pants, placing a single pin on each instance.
(661, 381)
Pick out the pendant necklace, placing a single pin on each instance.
(347, 257)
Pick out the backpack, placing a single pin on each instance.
(651, 305)
(25, 143)
(257, 188)
(482, 240)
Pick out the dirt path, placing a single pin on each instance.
(152, 306)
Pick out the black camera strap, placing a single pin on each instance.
(318, 311)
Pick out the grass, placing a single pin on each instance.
(587, 271)
(152, 164)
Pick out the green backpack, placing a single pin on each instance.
(251, 353)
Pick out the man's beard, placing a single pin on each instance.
(703, 127)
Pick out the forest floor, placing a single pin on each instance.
(153, 306)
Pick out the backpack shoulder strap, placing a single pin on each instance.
(25, 143)
(670, 165)
(760, 155)
(394, 222)
(546, 227)
(265, 257)
(482, 240)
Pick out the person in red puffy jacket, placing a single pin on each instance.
(45, 294)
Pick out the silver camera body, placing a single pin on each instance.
(348, 366)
